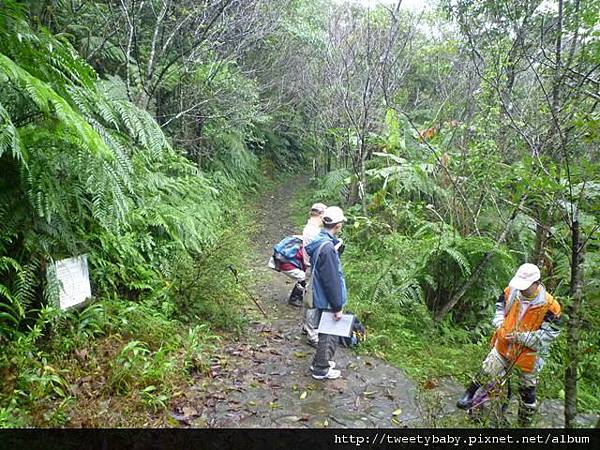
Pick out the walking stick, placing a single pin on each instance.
(246, 290)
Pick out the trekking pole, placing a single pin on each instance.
(246, 290)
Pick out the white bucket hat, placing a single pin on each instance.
(526, 275)
(334, 214)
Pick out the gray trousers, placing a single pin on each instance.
(311, 315)
(325, 350)
(495, 366)
(311, 323)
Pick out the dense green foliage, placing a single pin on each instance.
(462, 142)
(86, 171)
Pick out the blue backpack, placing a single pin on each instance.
(287, 251)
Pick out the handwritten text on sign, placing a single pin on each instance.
(74, 281)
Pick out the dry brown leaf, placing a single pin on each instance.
(431, 383)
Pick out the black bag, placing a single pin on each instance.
(357, 335)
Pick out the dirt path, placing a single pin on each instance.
(263, 380)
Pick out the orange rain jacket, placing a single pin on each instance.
(535, 327)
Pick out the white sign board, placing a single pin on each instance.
(342, 327)
(74, 281)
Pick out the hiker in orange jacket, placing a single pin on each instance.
(527, 320)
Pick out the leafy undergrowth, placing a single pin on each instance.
(402, 332)
(115, 380)
(120, 363)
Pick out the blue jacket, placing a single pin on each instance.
(328, 283)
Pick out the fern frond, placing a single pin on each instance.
(9, 137)
(52, 104)
(461, 260)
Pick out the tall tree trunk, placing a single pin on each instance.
(363, 157)
(353, 193)
(159, 115)
(362, 187)
(330, 150)
(541, 237)
(574, 323)
(558, 57)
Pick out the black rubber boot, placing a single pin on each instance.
(297, 295)
(526, 414)
(527, 406)
(465, 401)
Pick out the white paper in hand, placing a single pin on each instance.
(342, 327)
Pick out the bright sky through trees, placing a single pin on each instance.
(413, 5)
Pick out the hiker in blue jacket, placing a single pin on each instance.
(329, 288)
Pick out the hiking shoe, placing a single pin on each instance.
(312, 343)
(331, 366)
(294, 302)
(331, 374)
(466, 401)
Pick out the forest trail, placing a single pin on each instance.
(263, 379)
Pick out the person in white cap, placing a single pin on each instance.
(313, 227)
(527, 321)
(329, 288)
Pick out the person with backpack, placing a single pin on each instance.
(288, 258)
(329, 288)
(313, 227)
(527, 321)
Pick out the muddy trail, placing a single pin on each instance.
(263, 378)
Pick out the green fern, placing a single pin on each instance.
(14, 297)
(334, 185)
(84, 170)
(49, 103)
(9, 137)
